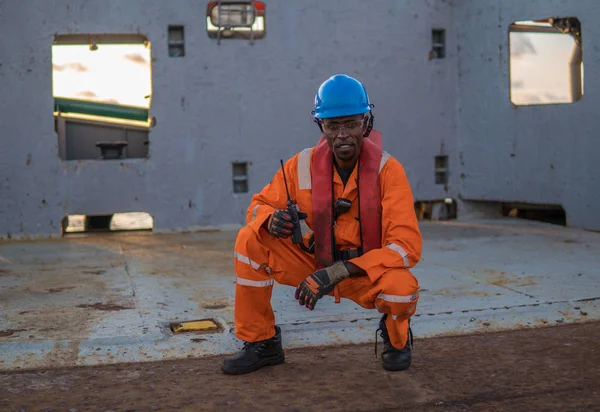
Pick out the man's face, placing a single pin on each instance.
(345, 137)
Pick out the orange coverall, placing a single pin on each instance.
(260, 258)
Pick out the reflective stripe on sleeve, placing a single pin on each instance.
(400, 251)
(304, 178)
(385, 156)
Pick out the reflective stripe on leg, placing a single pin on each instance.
(398, 298)
(253, 264)
(254, 283)
(397, 306)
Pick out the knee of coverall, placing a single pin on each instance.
(245, 236)
(250, 255)
(399, 294)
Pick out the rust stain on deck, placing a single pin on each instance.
(10, 332)
(56, 290)
(104, 306)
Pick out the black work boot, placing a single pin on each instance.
(394, 359)
(255, 355)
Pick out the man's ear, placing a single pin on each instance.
(368, 125)
(319, 124)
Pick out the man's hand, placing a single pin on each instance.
(320, 283)
(280, 223)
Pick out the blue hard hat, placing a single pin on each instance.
(339, 96)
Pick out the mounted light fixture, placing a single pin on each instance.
(235, 20)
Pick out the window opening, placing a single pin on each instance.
(441, 170)
(116, 222)
(176, 42)
(547, 213)
(240, 177)
(102, 88)
(546, 61)
(438, 44)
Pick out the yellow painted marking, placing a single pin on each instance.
(194, 326)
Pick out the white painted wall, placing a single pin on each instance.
(242, 102)
(218, 104)
(538, 154)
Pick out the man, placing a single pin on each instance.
(357, 201)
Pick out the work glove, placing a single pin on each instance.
(320, 283)
(280, 223)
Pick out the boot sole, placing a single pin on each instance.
(271, 361)
(396, 367)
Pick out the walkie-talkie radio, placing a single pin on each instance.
(293, 212)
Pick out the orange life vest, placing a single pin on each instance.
(369, 197)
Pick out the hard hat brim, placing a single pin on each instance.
(341, 112)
